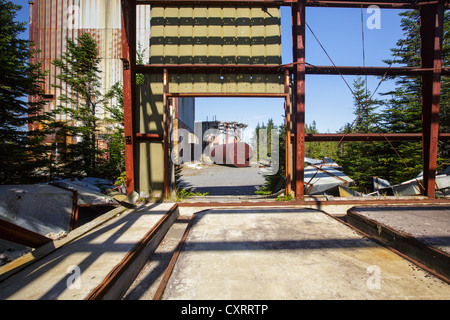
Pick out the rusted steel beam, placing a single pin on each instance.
(431, 33)
(298, 40)
(166, 134)
(231, 94)
(287, 112)
(209, 68)
(17, 234)
(323, 137)
(75, 206)
(371, 71)
(274, 69)
(148, 137)
(400, 4)
(129, 87)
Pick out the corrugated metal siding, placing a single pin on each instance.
(54, 20)
(214, 35)
(217, 35)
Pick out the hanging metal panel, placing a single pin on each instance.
(217, 35)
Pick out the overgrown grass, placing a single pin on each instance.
(287, 197)
(183, 194)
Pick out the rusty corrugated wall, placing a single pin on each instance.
(52, 21)
(202, 35)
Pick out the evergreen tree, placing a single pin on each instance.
(362, 160)
(403, 112)
(79, 70)
(319, 150)
(22, 154)
(115, 138)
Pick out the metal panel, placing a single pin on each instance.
(214, 35)
(217, 36)
(53, 21)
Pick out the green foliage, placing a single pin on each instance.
(402, 113)
(287, 197)
(78, 154)
(22, 153)
(182, 194)
(319, 150)
(115, 135)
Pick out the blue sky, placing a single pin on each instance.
(328, 100)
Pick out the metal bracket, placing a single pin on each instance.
(128, 140)
(126, 64)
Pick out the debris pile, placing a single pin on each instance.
(326, 177)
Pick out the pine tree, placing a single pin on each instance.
(319, 150)
(22, 154)
(115, 138)
(403, 112)
(362, 160)
(79, 70)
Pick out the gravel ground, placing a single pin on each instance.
(221, 179)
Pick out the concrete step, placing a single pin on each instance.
(96, 261)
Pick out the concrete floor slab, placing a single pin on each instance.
(430, 224)
(420, 232)
(268, 253)
(91, 258)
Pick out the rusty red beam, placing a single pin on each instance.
(371, 71)
(209, 68)
(17, 234)
(129, 87)
(298, 108)
(401, 4)
(224, 95)
(166, 134)
(431, 33)
(148, 137)
(288, 152)
(325, 137)
(273, 69)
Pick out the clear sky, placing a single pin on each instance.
(328, 100)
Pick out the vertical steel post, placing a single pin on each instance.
(129, 87)
(287, 112)
(431, 32)
(298, 39)
(166, 133)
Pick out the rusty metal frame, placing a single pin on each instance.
(431, 13)
(167, 95)
(17, 234)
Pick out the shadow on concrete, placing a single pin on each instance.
(86, 244)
